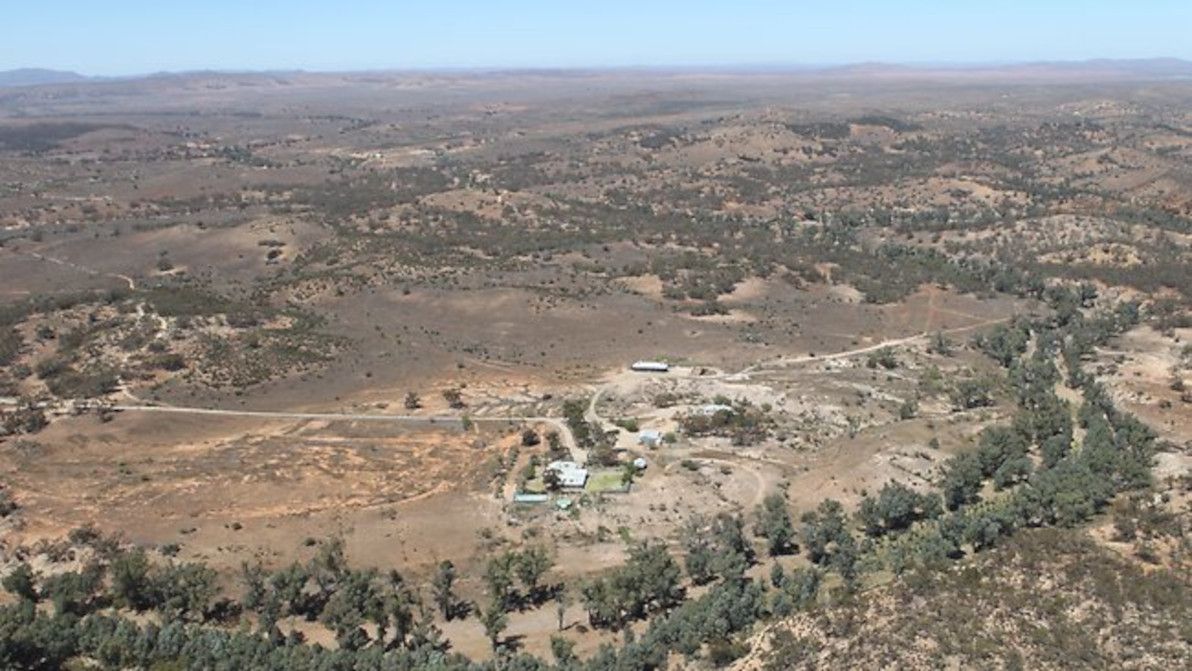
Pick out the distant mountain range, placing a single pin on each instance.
(35, 76)
(1160, 68)
(1142, 68)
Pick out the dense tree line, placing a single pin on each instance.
(648, 582)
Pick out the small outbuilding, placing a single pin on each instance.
(649, 438)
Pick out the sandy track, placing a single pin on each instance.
(592, 415)
(132, 284)
(451, 420)
(894, 342)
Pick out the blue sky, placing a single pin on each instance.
(115, 37)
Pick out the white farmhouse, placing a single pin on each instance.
(571, 474)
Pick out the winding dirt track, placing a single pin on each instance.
(132, 284)
(894, 342)
(430, 420)
(592, 415)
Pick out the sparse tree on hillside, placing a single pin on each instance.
(355, 601)
(454, 398)
(442, 589)
(895, 508)
(562, 601)
(531, 565)
(563, 650)
(498, 575)
(970, 394)
(185, 591)
(940, 344)
(909, 409)
(775, 525)
(131, 584)
(21, 582)
(698, 546)
(961, 479)
(495, 621)
(412, 402)
(74, 592)
(824, 530)
(255, 590)
(802, 585)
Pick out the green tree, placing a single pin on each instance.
(443, 589)
(288, 585)
(998, 445)
(1055, 448)
(895, 508)
(256, 591)
(531, 565)
(775, 525)
(733, 553)
(185, 591)
(969, 394)
(131, 583)
(356, 600)
(823, 529)
(551, 480)
(494, 620)
(628, 473)
(454, 398)
(498, 575)
(647, 582)
(398, 604)
(563, 650)
(961, 479)
(940, 344)
(909, 409)
(1005, 342)
(802, 586)
(697, 544)
(883, 357)
(21, 582)
(74, 592)
(329, 565)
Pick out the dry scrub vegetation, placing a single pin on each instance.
(282, 377)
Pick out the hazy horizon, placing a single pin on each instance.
(711, 67)
(137, 38)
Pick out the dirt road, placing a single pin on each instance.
(132, 284)
(592, 414)
(894, 342)
(450, 420)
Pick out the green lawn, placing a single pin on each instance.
(604, 481)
